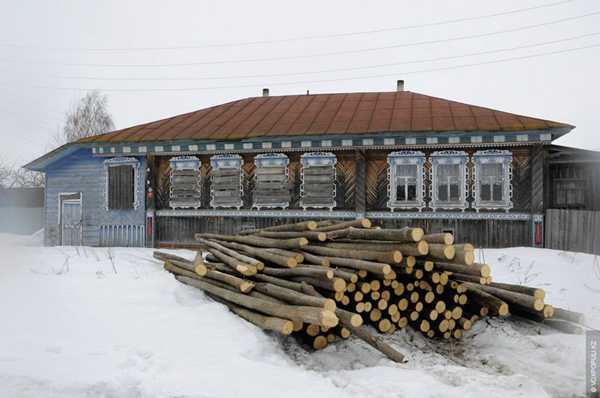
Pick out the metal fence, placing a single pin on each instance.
(573, 230)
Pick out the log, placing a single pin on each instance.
(314, 259)
(564, 326)
(317, 272)
(360, 223)
(475, 269)
(485, 299)
(280, 325)
(469, 278)
(234, 263)
(362, 265)
(441, 251)
(571, 316)
(376, 342)
(284, 261)
(510, 297)
(463, 256)
(392, 257)
(232, 253)
(294, 243)
(310, 235)
(531, 291)
(443, 238)
(406, 234)
(316, 315)
(182, 262)
(284, 252)
(175, 270)
(294, 297)
(244, 286)
(297, 286)
(298, 227)
(334, 285)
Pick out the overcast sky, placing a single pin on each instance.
(53, 51)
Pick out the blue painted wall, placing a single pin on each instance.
(82, 172)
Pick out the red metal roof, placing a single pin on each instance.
(350, 113)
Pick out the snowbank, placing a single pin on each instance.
(104, 322)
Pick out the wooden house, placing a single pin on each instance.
(395, 157)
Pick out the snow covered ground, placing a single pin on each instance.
(99, 322)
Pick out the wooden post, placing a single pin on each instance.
(360, 191)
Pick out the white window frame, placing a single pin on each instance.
(312, 159)
(186, 163)
(227, 161)
(443, 158)
(413, 158)
(123, 161)
(271, 160)
(494, 156)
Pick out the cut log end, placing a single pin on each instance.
(200, 269)
(322, 236)
(311, 225)
(365, 223)
(328, 318)
(246, 286)
(329, 304)
(417, 234)
(319, 342)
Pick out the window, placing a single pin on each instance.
(186, 183)
(318, 180)
(493, 172)
(226, 181)
(448, 180)
(272, 186)
(121, 177)
(569, 193)
(406, 179)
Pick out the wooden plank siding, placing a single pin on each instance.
(573, 230)
(83, 173)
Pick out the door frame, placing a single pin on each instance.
(61, 201)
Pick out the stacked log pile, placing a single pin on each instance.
(321, 281)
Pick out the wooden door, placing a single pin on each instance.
(71, 220)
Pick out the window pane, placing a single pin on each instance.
(485, 191)
(498, 192)
(454, 192)
(120, 187)
(412, 192)
(493, 170)
(406, 170)
(443, 192)
(400, 192)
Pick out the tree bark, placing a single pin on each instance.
(284, 261)
(310, 235)
(391, 257)
(316, 315)
(320, 272)
(294, 297)
(361, 223)
(298, 227)
(295, 243)
(397, 235)
(234, 263)
(510, 297)
(232, 253)
(443, 238)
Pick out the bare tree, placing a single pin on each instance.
(12, 176)
(87, 117)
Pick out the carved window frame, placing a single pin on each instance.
(317, 159)
(411, 158)
(123, 161)
(226, 161)
(493, 156)
(271, 160)
(187, 163)
(443, 158)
